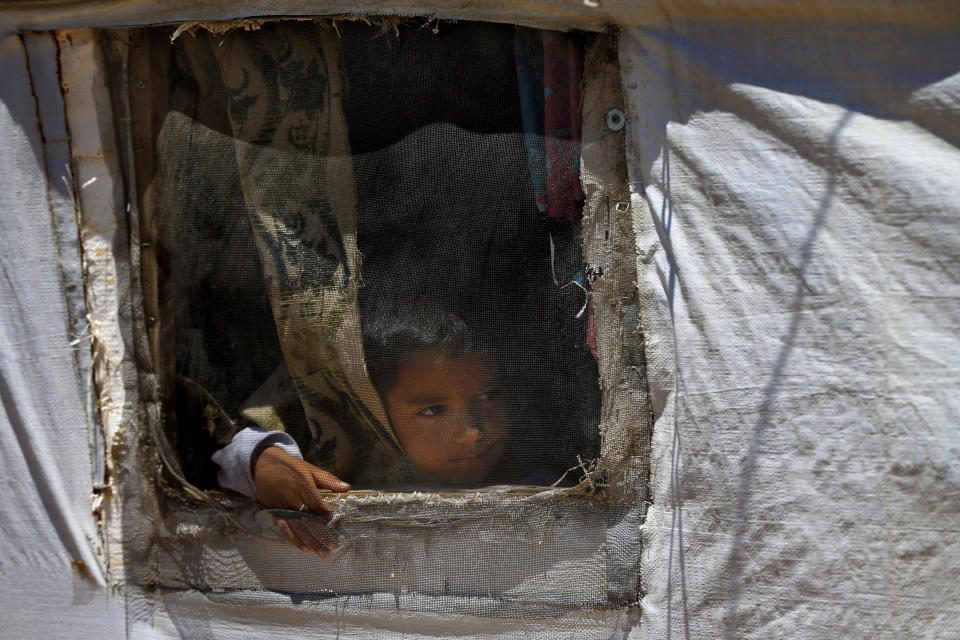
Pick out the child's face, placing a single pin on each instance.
(447, 415)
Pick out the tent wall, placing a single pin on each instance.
(53, 557)
(796, 189)
(793, 169)
(590, 15)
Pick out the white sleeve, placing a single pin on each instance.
(236, 471)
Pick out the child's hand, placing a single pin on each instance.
(286, 482)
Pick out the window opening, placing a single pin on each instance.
(496, 551)
(372, 242)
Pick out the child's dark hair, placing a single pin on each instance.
(395, 331)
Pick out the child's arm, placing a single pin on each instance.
(236, 460)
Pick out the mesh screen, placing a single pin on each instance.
(372, 242)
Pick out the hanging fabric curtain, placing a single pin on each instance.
(282, 92)
(549, 72)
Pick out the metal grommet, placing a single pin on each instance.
(615, 119)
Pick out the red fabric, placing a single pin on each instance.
(561, 85)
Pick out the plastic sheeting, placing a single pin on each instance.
(795, 190)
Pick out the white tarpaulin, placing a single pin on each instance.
(795, 176)
(52, 556)
(796, 188)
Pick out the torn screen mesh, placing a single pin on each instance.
(371, 241)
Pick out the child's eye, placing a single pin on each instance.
(486, 396)
(433, 410)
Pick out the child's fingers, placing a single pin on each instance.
(322, 534)
(294, 539)
(312, 533)
(327, 480)
(311, 498)
(302, 537)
